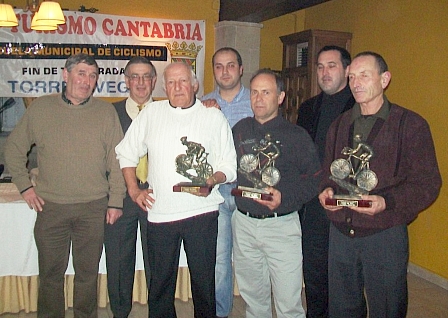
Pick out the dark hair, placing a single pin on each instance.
(228, 49)
(380, 62)
(140, 60)
(79, 58)
(267, 71)
(345, 56)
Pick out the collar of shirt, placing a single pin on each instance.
(339, 98)
(270, 124)
(68, 101)
(236, 99)
(132, 107)
(243, 94)
(383, 112)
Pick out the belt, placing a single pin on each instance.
(264, 216)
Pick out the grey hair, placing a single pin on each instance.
(140, 60)
(74, 60)
(194, 79)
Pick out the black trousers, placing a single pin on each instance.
(315, 240)
(199, 235)
(119, 242)
(369, 270)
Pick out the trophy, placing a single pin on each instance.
(194, 166)
(366, 179)
(260, 170)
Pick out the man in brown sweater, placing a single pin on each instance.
(79, 183)
(369, 246)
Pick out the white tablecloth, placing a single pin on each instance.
(18, 253)
(19, 263)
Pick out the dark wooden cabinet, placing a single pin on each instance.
(299, 65)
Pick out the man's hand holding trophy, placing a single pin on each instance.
(353, 174)
(259, 168)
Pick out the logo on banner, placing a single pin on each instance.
(184, 53)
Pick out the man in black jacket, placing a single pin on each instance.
(315, 115)
(120, 237)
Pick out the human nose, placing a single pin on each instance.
(86, 80)
(354, 81)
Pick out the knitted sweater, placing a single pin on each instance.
(404, 161)
(75, 151)
(158, 130)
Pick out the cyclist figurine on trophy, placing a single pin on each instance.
(355, 168)
(259, 168)
(194, 166)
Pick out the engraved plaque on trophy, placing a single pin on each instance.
(252, 193)
(259, 168)
(194, 166)
(343, 171)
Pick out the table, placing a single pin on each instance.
(19, 263)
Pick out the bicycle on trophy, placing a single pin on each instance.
(194, 159)
(263, 162)
(365, 178)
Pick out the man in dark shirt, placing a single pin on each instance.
(267, 234)
(369, 246)
(315, 115)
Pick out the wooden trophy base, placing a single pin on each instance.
(251, 193)
(194, 188)
(348, 202)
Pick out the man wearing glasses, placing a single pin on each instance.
(120, 237)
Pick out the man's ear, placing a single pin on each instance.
(65, 74)
(281, 97)
(154, 81)
(196, 86)
(385, 79)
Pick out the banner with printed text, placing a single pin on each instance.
(32, 61)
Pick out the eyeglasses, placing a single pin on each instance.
(137, 78)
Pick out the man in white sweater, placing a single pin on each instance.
(178, 216)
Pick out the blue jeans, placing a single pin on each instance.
(223, 270)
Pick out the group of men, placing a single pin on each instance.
(351, 256)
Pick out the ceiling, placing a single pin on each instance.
(261, 10)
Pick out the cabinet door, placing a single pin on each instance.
(296, 92)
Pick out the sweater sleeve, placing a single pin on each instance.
(132, 147)
(117, 188)
(17, 146)
(309, 172)
(226, 162)
(417, 182)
